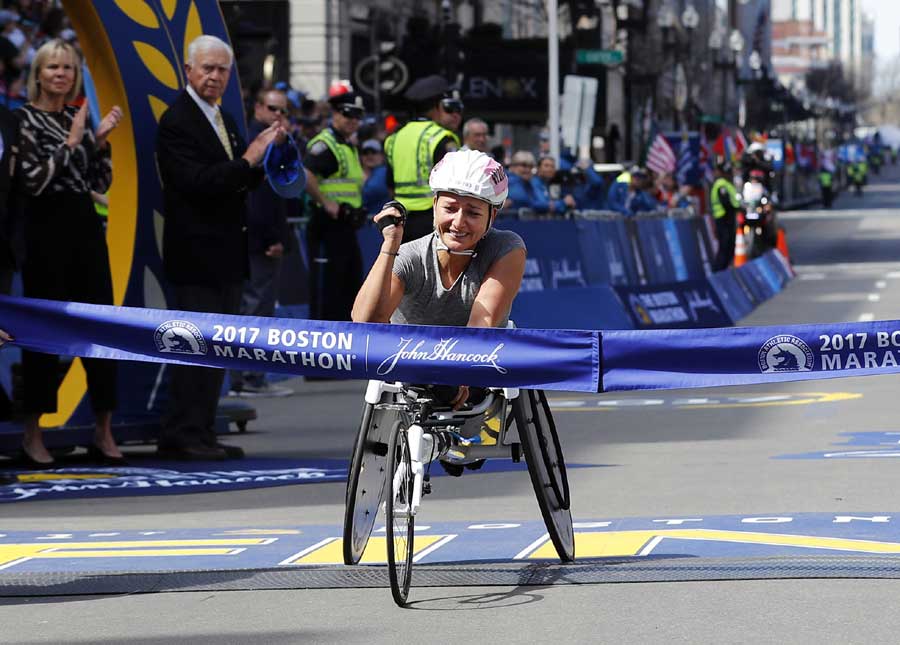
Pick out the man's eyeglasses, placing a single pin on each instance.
(275, 108)
(453, 106)
(352, 112)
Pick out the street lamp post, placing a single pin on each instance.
(735, 47)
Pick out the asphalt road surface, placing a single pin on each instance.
(785, 462)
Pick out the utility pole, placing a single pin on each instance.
(553, 75)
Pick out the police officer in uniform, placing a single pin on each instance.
(725, 202)
(334, 183)
(413, 150)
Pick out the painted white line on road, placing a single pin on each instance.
(873, 297)
(881, 284)
(811, 276)
(866, 317)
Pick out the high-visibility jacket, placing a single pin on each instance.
(345, 185)
(718, 208)
(825, 179)
(410, 154)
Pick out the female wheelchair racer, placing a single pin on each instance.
(465, 273)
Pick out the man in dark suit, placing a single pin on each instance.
(206, 170)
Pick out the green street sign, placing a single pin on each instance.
(608, 57)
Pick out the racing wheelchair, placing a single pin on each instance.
(405, 428)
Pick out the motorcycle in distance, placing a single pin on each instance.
(760, 225)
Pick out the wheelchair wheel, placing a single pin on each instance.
(365, 481)
(398, 518)
(547, 468)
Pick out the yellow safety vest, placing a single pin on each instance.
(624, 178)
(345, 185)
(410, 154)
(718, 208)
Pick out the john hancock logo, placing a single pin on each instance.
(444, 351)
(785, 353)
(179, 337)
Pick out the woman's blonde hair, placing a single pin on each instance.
(47, 51)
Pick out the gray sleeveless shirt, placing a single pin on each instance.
(425, 300)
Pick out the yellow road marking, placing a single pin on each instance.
(11, 554)
(811, 397)
(261, 532)
(332, 551)
(27, 478)
(603, 544)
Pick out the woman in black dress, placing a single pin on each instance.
(60, 162)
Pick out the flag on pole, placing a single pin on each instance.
(740, 143)
(686, 160)
(660, 156)
(706, 158)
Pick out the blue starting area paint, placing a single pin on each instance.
(884, 444)
(449, 542)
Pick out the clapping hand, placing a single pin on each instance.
(108, 124)
(76, 131)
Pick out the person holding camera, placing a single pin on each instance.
(334, 181)
(552, 184)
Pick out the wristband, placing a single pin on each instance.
(393, 254)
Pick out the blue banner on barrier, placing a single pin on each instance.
(651, 237)
(676, 252)
(679, 305)
(732, 294)
(576, 308)
(642, 360)
(561, 360)
(554, 247)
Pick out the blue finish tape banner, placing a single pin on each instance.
(666, 359)
(553, 360)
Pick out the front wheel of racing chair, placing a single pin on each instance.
(546, 467)
(367, 474)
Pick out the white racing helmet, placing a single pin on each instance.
(470, 173)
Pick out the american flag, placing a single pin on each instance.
(660, 156)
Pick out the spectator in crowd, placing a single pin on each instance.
(475, 135)
(630, 194)
(543, 149)
(585, 186)
(206, 170)
(525, 189)
(427, 139)
(549, 181)
(670, 195)
(61, 160)
(334, 183)
(375, 189)
(270, 237)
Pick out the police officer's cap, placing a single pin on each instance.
(349, 104)
(427, 88)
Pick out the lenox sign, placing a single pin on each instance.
(500, 87)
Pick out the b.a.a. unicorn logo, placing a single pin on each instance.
(785, 353)
(179, 337)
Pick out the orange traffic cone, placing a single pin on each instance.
(781, 244)
(740, 245)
